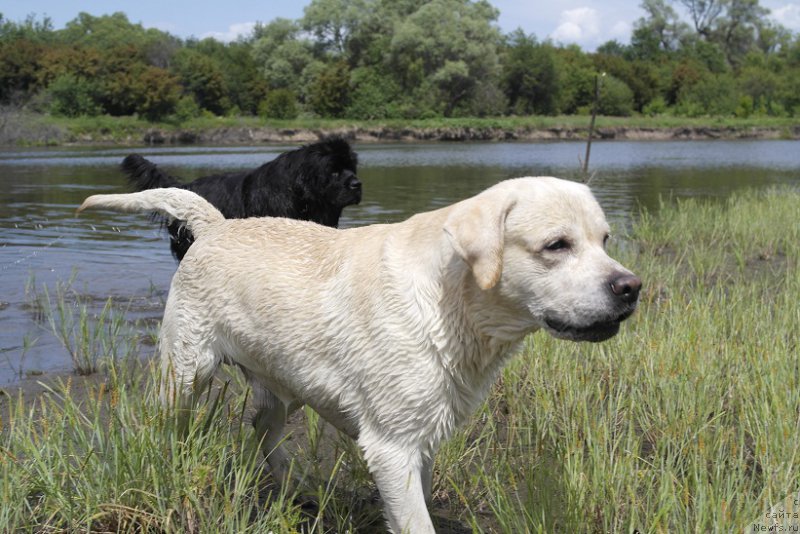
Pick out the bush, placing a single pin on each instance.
(616, 98)
(373, 96)
(159, 93)
(186, 109)
(657, 106)
(330, 91)
(711, 95)
(73, 96)
(279, 104)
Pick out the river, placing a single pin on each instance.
(127, 256)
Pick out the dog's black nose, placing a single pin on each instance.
(626, 287)
(354, 183)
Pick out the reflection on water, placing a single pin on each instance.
(127, 256)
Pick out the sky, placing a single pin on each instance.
(587, 23)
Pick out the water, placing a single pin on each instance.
(127, 256)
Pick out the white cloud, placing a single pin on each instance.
(788, 16)
(577, 26)
(621, 31)
(235, 31)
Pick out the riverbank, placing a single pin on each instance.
(40, 130)
(233, 135)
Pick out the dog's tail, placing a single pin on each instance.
(144, 174)
(172, 202)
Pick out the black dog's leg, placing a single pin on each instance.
(180, 239)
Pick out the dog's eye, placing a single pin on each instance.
(558, 244)
(605, 240)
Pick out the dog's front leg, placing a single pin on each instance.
(397, 470)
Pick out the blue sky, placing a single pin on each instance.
(587, 23)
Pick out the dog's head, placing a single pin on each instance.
(538, 244)
(330, 168)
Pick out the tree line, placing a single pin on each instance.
(382, 59)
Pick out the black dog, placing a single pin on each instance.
(313, 183)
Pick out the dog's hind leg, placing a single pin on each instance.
(188, 362)
(397, 471)
(427, 477)
(269, 422)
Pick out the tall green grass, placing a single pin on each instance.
(687, 421)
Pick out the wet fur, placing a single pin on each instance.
(312, 183)
(393, 333)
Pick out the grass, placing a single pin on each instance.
(685, 422)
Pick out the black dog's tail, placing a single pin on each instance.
(144, 174)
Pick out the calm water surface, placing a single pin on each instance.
(127, 256)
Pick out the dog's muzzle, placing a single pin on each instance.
(353, 185)
(597, 331)
(624, 292)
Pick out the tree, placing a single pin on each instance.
(576, 76)
(118, 72)
(30, 29)
(332, 22)
(73, 96)
(281, 55)
(374, 95)
(659, 32)
(202, 77)
(19, 61)
(704, 14)
(330, 91)
(736, 32)
(158, 92)
(446, 45)
(616, 98)
(641, 77)
(529, 78)
(279, 104)
(62, 59)
(733, 25)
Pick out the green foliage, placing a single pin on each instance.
(373, 96)
(73, 96)
(280, 55)
(201, 76)
(655, 107)
(712, 95)
(616, 98)
(329, 93)
(186, 109)
(530, 79)
(407, 59)
(19, 74)
(451, 45)
(159, 92)
(576, 80)
(245, 85)
(279, 104)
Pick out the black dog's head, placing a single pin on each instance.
(336, 176)
(322, 179)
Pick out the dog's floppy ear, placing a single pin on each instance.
(476, 229)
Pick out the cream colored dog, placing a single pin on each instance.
(393, 333)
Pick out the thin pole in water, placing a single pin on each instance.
(591, 124)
